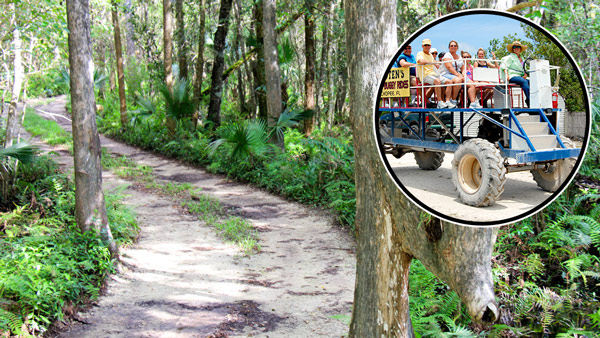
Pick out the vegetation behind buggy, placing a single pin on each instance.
(487, 143)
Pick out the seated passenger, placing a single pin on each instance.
(406, 59)
(472, 85)
(452, 69)
(512, 64)
(426, 71)
(488, 93)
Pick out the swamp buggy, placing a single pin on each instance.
(487, 143)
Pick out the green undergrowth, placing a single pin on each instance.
(47, 130)
(46, 264)
(317, 171)
(233, 229)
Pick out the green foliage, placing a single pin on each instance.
(46, 263)
(243, 140)
(49, 83)
(179, 103)
(49, 131)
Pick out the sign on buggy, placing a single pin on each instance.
(397, 83)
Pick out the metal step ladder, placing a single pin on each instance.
(541, 134)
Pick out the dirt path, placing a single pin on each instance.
(183, 281)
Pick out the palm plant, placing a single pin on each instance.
(245, 140)
(179, 103)
(22, 152)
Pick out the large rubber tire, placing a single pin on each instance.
(429, 160)
(552, 178)
(478, 173)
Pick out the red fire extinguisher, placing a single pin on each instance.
(555, 100)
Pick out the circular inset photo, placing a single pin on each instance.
(482, 118)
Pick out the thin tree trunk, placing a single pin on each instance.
(130, 31)
(272, 72)
(251, 105)
(322, 77)
(90, 209)
(309, 79)
(199, 63)
(259, 66)
(214, 106)
(120, 72)
(168, 43)
(236, 52)
(14, 115)
(179, 16)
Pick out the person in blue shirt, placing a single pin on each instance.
(406, 59)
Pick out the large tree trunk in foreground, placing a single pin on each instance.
(272, 72)
(14, 117)
(90, 209)
(183, 64)
(214, 107)
(392, 231)
(309, 78)
(120, 73)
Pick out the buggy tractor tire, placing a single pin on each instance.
(478, 173)
(552, 178)
(429, 160)
(397, 152)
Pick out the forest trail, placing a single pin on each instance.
(181, 280)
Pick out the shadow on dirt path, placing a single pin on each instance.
(183, 281)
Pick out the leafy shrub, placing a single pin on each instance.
(46, 263)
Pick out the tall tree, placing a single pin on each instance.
(214, 106)
(130, 30)
(90, 209)
(390, 230)
(309, 78)
(13, 120)
(168, 43)
(181, 41)
(119, 58)
(274, 104)
(259, 66)
(199, 62)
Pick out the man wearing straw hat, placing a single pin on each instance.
(513, 65)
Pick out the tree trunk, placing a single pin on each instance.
(130, 31)
(259, 66)
(309, 79)
(120, 73)
(183, 64)
(214, 106)
(272, 72)
(14, 116)
(251, 105)
(90, 209)
(199, 63)
(168, 43)
(390, 230)
(237, 41)
(323, 71)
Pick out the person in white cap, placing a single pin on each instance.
(426, 71)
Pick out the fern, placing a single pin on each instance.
(11, 322)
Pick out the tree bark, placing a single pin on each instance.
(199, 63)
(390, 230)
(179, 16)
(120, 72)
(214, 106)
(237, 42)
(259, 65)
(14, 117)
(168, 43)
(90, 209)
(130, 31)
(309, 78)
(274, 105)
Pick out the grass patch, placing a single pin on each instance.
(233, 229)
(49, 131)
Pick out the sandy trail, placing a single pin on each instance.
(183, 281)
